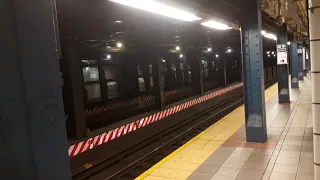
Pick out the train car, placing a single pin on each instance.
(130, 74)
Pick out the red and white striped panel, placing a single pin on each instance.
(125, 129)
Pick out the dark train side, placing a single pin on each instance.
(120, 64)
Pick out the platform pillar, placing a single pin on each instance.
(252, 59)
(304, 60)
(314, 33)
(159, 83)
(283, 69)
(197, 76)
(294, 65)
(300, 58)
(73, 85)
(33, 136)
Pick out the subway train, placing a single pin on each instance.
(124, 69)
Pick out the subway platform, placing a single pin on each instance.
(222, 153)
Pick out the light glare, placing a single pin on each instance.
(177, 48)
(159, 8)
(269, 35)
(289, 43)
(216, 25)
(119, 45)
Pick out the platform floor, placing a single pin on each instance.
(222, 153)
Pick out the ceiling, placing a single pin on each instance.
(294, 12)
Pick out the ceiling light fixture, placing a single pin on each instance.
(216, 25)
(159, 8)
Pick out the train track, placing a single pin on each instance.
(130, 164)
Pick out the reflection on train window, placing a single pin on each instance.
(140, 72)
(86, 62)
(90, 74)
(110, 72)
(107, 57)
(93, 92)
(112, 90)
(189, 76)
(151, 81)
(150, 75)
(142, 85)
(173, 67)
(206, 72)
(205, 63)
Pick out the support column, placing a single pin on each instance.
(73, 84)
(33, 136)
(314, 28)
(197, 76)
(304, 60)
(159, 83)
(283, 69)
(294, 65)
(222, 66)
(300, 58)
(252, 59)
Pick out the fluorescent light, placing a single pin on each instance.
(177, 48)
(215, 25)
(269, 35)
(289, 43)
(159, 8)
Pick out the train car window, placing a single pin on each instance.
(93, 92)
(173, 68)
(107, 57)
(182, 72)
(113, 91)
(190, 76)
(142, 85)
(151, 82)
(90, 74)
(140, 72)
(151, 76)
(141, 79)
(110, 72)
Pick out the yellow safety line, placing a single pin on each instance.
(150, 170)
(146, 173)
